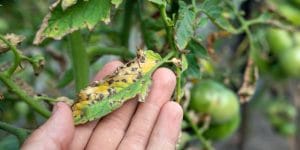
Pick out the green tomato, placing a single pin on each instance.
(223, 130)
(214, 99)
(279, 40)
(290, 62)
(290, 12)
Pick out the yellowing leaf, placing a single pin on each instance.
(130, 80)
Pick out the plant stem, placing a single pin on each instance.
(168, 25)
(17, 55)
(79, 59)
(5, 78)
(178, 85)
(169, 29)
(99, 51)
(127, 22)
(20, 133)
(206, 144)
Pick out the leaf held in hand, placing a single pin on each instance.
(130, 80)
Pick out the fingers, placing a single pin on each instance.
(145, 117)
(83, 132)
(166, 131)
(56, 133)
(111, 129)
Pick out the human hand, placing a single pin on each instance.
(154, 124)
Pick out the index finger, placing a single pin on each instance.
(83, 132)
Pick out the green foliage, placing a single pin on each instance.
(184, 27)
(59, 23)
(214, 9)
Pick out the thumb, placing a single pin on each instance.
(56, 133)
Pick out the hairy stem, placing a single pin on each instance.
(168, 25)
(178, 85)
(17, 55)
(5, 78)
(80, 60)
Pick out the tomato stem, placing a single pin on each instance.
(79, 59)
(20, 133)
(199, 134)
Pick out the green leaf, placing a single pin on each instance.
(196, 51)
(184, 27)
(116, 2)
(59, 23)
(214, 9)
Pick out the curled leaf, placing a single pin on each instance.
(85, 14)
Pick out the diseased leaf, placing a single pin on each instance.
(85, 14)
(184, 27)
(116, 2)
(214, 9)
(130, 80)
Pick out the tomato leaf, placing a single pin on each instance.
(130, 80)
(184, 27)
(196, 51)
(84, 14)
(214, 9)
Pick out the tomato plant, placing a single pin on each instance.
(230, 59)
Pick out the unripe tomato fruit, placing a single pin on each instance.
(223, 130)
(214, 99)
(279, 40)
(290, 62)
